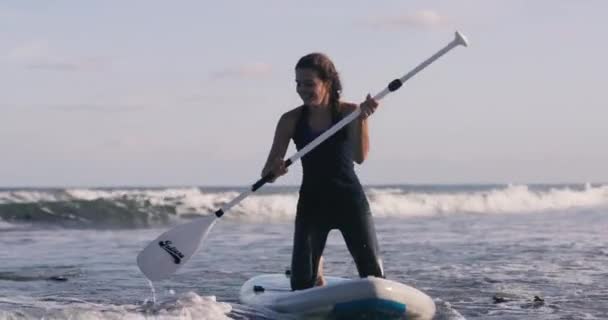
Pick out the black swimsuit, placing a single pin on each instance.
(331, 197)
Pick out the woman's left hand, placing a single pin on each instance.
(368, 107)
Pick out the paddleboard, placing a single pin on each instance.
(368, 298)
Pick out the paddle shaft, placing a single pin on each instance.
(392, 86)
(163, 256)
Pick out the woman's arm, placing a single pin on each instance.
(360, 135)
(359, 129)
(282, 135)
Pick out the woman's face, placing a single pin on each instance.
(312, 90)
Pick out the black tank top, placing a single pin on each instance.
(328, 169)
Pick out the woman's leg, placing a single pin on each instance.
(308, 244)
(360, 236)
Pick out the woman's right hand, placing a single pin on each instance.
(277, 167)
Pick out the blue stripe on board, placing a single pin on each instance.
(381, 306)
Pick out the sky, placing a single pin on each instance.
(159, 93)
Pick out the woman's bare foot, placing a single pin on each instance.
(320, 281)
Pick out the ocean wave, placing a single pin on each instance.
(509, 199)
(98, 213)
(134, 208)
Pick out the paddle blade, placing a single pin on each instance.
(172, 249)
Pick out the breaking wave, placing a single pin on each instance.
(146, 207)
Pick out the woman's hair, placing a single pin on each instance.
(327, 72)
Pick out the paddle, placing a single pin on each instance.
(172, 249)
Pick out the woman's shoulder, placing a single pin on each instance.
(292, 115)
(289, 119)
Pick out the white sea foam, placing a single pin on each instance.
(6, 226)
(188, 306)
(511, 199)
(28, 196)
(186, 200)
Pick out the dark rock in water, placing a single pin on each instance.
(537, 302)
(506, 297)
(490, 280)
(30, 275)
(58, 278)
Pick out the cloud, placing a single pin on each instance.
(424, 19)
(39, 55)
(253, 70)
(74, 107)
(96, 108)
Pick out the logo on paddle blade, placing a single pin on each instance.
(172, 251)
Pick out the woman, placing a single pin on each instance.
(331, 196)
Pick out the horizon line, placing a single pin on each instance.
(234, 186)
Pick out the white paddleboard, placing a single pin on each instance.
(370, 297)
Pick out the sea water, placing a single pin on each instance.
(480, 251)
